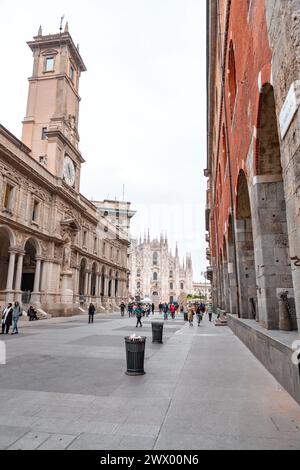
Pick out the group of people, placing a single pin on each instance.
(172, 309)
(10, 317)
(199, 310)
(132, 309)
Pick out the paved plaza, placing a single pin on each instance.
(64, 387)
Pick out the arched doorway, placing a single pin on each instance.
(5, 244)
(272, 256)
(4, 257)
(29, 281)
(94, 280)
(221, 294)
(226, 278)
(245, 249)
(82, 274)
(231, 269)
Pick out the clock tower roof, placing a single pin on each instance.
(52, 41)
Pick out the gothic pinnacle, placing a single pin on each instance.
(40, 32)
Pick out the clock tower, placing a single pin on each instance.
(50, 128)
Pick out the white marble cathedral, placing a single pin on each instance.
(157, 274)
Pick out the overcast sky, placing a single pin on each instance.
(143, 110)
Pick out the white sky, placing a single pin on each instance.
(143, 110)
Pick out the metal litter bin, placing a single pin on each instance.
(135, 355)
(157, 332)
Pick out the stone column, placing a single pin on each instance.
(19, 272)
(89, 284)
(97, 286)
(86, 283)
(37, 277)
(11, 271)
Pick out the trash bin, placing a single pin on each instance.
(157, 332)
(135, 354)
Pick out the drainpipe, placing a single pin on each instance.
(223, 100)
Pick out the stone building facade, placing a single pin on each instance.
(157, 274)
(253, 203)
(58, 250)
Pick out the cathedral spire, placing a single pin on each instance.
(176, 252)
(166, 239)
(148, 236)
(67, 27)
(161, 238)
(40, 33)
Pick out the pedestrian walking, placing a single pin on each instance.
(199, 315)
(122, 307)
(172, 310)
(130, 308)
(165, 310)
(191, 316)
(16, 315)
(153, 309)
(7, 319)
(210, 313)
(92, 311)
(139, 315)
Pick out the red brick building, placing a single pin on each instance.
(253, 198)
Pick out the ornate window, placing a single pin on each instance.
(155, 276)
(155, 259)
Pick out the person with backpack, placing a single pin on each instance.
(16, 315)
(139, 315)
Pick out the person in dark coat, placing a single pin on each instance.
(153, 309)
(32, 314)
(7, 319)
(91, 313)
(139, 315)
(122, 307)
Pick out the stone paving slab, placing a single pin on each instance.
(203, 389)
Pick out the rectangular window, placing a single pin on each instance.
(84, 238)
(35, 211)
(49, 64)
(44, 133)
(95, 245)
(111, 252)
(43, 160)
(8, 197)
(103, 249)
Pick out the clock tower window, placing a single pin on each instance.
(49, 64)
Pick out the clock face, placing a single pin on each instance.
(69, 171)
